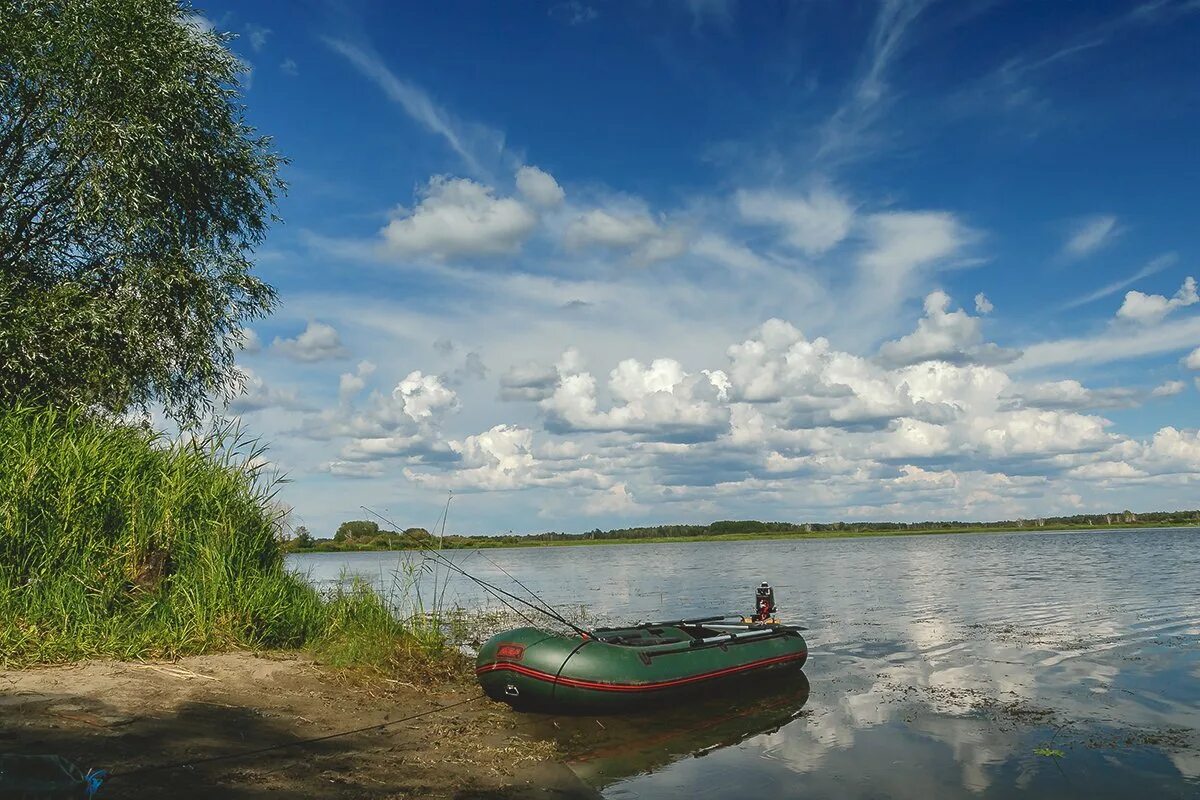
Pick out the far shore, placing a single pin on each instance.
(482, 542)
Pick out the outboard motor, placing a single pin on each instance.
(764, 602)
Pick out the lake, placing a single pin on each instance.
(1043, 665)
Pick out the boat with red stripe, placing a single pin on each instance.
(613, 669)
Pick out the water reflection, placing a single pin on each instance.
(605, 751)
(938, 664)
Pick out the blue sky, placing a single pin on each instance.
(601, 264)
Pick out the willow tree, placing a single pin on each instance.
(132, 194)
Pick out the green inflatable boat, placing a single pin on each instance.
(613, 669)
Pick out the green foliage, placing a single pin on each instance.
(115, 542)
(361, 530)
(1048, 752)
(131, 194)
(302, 538)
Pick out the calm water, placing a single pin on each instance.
(938, 663)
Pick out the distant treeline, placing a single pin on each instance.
(363, 535)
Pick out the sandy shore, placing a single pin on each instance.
(129, 716)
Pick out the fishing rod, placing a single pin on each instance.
(541, 606)
(445, 514)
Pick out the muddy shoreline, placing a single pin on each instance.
(126, 717)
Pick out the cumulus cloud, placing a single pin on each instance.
(1193, 359)
(631, 230)
(458, 217)
(505, 458)
(1147, 309)
(1091, 234)
(657, 402)
(539, 187)
(982, 304)
(812, 224)
(421, 396)
(944, 335)
(318, 342)
(1106, 470)
(1173, 451)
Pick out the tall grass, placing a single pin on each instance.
(117, 542)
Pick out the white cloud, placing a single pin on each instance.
(1168, 389)
(913, 476)
(630, 229)
(659, 402)
(249, 341)
(355, 469)
(1071, 394)
(539, 187)
(289, 67)
(1193, 359)
(614, 500)
(1146, 309)
(351, 383)
(901, 241)
(1033, 432)
(1155, 265)
(944, 335)
(257, 36)
(812, 224)
(982, 304)
(199, 23)
(1173, 450)
(318, 342)
(1113, 345)
(528, 381)
(1090, 235)
(257, 395)
(459, 217)
(423, 396)
(1106, 470)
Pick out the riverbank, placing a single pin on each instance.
(483, 543)
(130, 716)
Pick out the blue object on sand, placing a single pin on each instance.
(46, 778)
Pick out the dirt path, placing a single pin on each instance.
(126, 716)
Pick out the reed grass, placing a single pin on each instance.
(117, 542)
